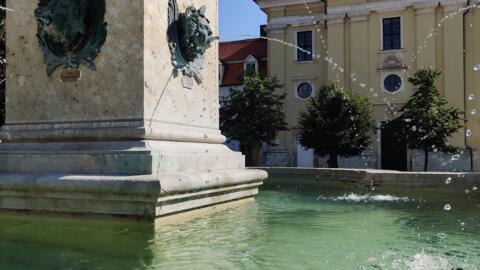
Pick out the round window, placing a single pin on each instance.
(304, 90)
(392, 83)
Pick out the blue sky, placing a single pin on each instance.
(239, 17)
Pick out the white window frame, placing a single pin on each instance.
(251, 60)
(402, 44)
(221, 68)
(298, 83)
(295, 55)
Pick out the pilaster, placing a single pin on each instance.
(425, 38)
(453, 69)
(336, 47)
(359, 44)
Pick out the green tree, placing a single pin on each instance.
(253, 115)
(337, 123)
(427, 121)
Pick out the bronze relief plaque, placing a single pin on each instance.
(70, 32)
(70, 75)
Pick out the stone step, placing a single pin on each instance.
(143, 196)
(132, 158)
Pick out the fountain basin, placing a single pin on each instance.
(287, 227)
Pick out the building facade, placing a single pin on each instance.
(235, 59)
(238, 57)
(372, 47)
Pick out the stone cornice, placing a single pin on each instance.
(424, 8)
(281, 3)
(297, 20)
(451, 6)
(357, 12)
(393, 5)
(335, 18)
(276, 30)
(358, 16)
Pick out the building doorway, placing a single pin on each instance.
(394, 151)
(305, 157)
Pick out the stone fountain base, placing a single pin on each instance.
(138, 178)
(136, 136)
(140, 196)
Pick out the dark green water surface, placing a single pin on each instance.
(285, 228)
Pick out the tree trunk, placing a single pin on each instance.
(316, 161)
(253, 154)
(425, 168)
(333, 161)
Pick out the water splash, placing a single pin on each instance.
(17, 12)
(422, 261)
(448, 181)
(352, 197)
(7, 9)
(456, 157)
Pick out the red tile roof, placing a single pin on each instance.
(240, 50)
(236, 51)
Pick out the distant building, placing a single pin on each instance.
(236, 58)
(371, 47)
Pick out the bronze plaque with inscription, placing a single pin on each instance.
(187, 82)
(70, 75)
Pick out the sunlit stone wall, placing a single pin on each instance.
(113, 92)
(133, 80)
(166, 100)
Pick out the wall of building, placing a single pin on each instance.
(432, 34)
(472, 41)
(284, 23)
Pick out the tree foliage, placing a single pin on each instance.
(337, 122)
(254, 114)
(427, 121)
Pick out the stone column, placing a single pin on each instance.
(132, 138)
(453, 68)
(336, 47)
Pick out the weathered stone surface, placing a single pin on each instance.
(114, 91)
(127, 139)
(144, 196)
(133, 81)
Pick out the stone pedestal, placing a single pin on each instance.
(128, 138)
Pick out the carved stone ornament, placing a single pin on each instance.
(70, 32)
(190, 35)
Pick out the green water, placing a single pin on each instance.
(285, 228)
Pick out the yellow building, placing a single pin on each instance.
(371, 47)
